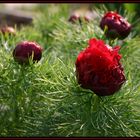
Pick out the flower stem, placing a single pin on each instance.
(95, 102)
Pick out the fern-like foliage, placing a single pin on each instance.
(45, 100)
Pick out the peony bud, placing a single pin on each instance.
(117, 26)
(8, 30)
(81, 15)
(98, 68)
(74, 18)
(25, 50)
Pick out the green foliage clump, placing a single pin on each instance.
(45, 100)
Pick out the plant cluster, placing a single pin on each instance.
(44, 98)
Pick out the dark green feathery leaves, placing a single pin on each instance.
(45, 100)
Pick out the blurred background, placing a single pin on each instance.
(20, 13)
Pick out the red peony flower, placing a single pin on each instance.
(98, 68)
(25, 50)
(118, 27)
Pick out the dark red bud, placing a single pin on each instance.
(117, 26)
(25, 50)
